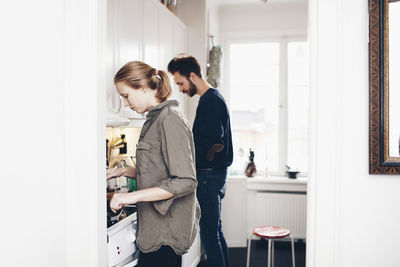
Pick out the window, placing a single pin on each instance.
(298, 105)
(269, 105)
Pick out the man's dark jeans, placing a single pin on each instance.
(210, 192)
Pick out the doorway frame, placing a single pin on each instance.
(85, 126)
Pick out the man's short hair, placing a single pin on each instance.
(184, 64)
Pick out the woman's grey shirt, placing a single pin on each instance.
(165, 159)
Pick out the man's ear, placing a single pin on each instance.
(192, 77)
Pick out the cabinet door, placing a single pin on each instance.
(233, 214)
(128, 32)
(165, 49)
(180, 38)
(192, 257)
(113, 100)
(123, 45)
(165, 38)
(179, 45)
(150, 32)
(128, 22)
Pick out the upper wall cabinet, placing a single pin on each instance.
(123, 45)
(140, 30)
(165, 38)
(180, 41)
(171, 41)
(128, 22)
(151, 32)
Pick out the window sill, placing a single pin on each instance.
(274, 183)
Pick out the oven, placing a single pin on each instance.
(121, 238)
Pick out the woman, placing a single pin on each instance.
(168, 212)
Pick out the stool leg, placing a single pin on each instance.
(273, 253)
(293, 261)
(248, 250)
(269, 252)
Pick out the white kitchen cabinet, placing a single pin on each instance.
(179, 45)
(234, 207)
(165, 38)
(143, 30)
(150, 32)
(140, 30)
(172, 41)
(192, 257)
(113, 102)
(179, 38)
(128, 31)
(123, 45)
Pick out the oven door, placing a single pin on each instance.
(121, 243)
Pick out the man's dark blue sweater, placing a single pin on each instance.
(212, 132)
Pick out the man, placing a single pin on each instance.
(213, 146)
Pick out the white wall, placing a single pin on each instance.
(212, 23)
(32, 158)
(52, 128)
(277, 17)
(353, 216)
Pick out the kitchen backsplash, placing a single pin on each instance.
(131, 138)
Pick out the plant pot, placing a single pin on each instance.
(292, 174)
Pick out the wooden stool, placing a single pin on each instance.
(271, 233)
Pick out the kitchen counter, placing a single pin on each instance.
(274, 183)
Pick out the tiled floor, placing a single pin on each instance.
(259, 254)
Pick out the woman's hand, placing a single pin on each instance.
(111, 173)
(144, 195)
(123, 171)
(121, 199)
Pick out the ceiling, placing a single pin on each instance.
(233, 2)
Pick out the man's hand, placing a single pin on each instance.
(214, 149)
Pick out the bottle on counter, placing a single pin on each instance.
(124, 145)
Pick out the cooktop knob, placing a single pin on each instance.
(131, 235)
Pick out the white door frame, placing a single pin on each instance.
(84, 101)
(325, 36)
(85, 28)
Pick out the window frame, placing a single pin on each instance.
(283, 127)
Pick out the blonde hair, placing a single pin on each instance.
(138, 75)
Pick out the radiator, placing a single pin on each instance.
(288, 210)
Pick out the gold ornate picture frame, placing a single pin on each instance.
(381, 161)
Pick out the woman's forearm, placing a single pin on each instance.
(130, 172)
(144, 195)
(149, 194)
(152, 194)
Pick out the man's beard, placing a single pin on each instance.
(192, 89)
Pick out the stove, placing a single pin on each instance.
(113, 218)
(121, 239)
